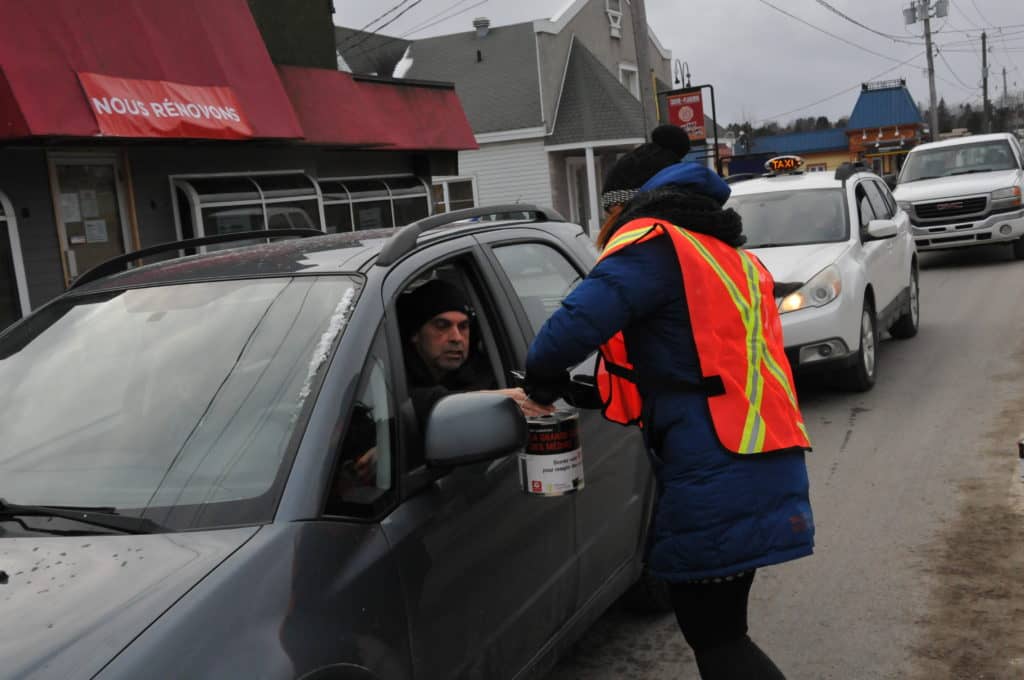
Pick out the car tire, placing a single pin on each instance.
(1018, 249)
(649, 595)
(906, 326)
(860, 377)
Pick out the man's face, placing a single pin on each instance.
(443, 342)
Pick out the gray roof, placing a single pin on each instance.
(369, 53)
(500, 90)
(594, 105)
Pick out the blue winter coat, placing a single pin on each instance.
(717, 513)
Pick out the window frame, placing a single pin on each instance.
(427, 196)
(444, 182)
(634, 86)
(10, 221)
(196, 205)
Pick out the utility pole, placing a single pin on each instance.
(986, 124)
(921, 10)
(1005, 93)
(641, 39)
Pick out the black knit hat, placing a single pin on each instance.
(427, 301)
(668, 145)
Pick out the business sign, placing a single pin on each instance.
(124, 107)
(686, 109)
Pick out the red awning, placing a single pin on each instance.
(336, 109)
(45, 44)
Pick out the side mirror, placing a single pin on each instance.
(582, 393)
(890, 180)
(473, 427)
(880, 229)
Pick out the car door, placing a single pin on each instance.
(487, 571)
(894, 273)
(611, 510)
(873, 253)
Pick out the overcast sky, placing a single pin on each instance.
(764, 64)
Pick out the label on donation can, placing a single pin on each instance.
(552, 464)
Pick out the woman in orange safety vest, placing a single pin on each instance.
(692, 351)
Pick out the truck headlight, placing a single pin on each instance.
(823, 288)
(1006, 198)
(905, 206)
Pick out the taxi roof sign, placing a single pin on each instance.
(781, 165)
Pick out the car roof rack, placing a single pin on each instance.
(117, 264)
(404, 242)
(848, 169)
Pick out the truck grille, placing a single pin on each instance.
(951, 208)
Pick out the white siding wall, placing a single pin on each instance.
(509, 172)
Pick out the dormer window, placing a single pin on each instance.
(614, 10)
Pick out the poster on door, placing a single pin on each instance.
(686, 110)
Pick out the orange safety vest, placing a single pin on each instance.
(736, 328)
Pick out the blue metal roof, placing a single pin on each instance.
(883, 107)
(798, 142)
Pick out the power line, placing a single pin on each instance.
(828, 33)
(372, 22)
(429, 21)
(944, 61)
(840, 93)
(445, 18)
(385, 24)
(853, 21)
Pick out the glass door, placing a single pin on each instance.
(90, 210)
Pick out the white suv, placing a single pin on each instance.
(965, 192)
(842, 238)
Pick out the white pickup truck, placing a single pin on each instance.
(965, 192)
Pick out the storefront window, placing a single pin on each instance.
(13, 295)
(237, 203)
(373, 203)
(453, 194)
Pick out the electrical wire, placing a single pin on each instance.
(431, 20)
(384, 25)
(829, 33)
(942, 56)
(371, 23)
(853, 21)
(840, 93)
(422, 26)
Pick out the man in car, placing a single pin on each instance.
(437, 322)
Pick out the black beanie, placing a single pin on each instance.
(668, 145)
(423, 304)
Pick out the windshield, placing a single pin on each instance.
(958, 160)
(790, 218)
(177, 402)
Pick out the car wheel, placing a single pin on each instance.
(906, 325)
(860, 377)
(649, 595)
(1018, 249)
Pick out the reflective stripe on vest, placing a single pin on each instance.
(758, 410)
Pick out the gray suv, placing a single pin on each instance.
(179, 493)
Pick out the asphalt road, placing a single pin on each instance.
(919, 565)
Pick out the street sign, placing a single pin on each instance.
(686, 109)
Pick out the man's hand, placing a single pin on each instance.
(526, 405)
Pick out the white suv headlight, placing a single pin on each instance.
(1006, 198)
(823, 288)
(905, 206)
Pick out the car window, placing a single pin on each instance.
(541, 276)
(790, 218)
(177, 401)
(888, 197)
(366, 461)
(879, 205)
(865, 211)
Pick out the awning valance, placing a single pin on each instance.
(210, 55)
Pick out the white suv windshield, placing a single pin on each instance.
(961, 159)
(173, 402)
(790, 218)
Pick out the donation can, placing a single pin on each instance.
(552, 464)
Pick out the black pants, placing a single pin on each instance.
(713, 618)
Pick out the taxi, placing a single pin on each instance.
(846, 247)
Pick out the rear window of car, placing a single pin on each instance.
(788, 218)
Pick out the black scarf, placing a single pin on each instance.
(686, 209)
